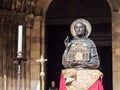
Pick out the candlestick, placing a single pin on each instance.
(19, 59)
(20, 28)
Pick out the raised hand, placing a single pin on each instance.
(66, 41)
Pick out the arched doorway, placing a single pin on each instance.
(60, 15)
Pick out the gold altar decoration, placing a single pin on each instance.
(77, 79)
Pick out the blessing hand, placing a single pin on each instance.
(66, 41)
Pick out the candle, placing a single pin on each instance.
(20, 27)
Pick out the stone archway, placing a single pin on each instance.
(61, 24)
(30, 14)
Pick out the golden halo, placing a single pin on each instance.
(85, 22)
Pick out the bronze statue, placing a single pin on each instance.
(80, 60)
(81, 51)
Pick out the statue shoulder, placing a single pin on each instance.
(90, 42)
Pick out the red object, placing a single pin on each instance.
(62, 83)
(96, 86)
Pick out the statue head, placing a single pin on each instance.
(80, 27)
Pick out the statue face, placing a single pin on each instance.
(79, 28)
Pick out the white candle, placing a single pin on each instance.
(20, 28)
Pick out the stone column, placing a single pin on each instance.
(116, 50)
(35, 53)
(115, 10)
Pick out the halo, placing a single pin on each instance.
(88, 26)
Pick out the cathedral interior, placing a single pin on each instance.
(46, 23)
